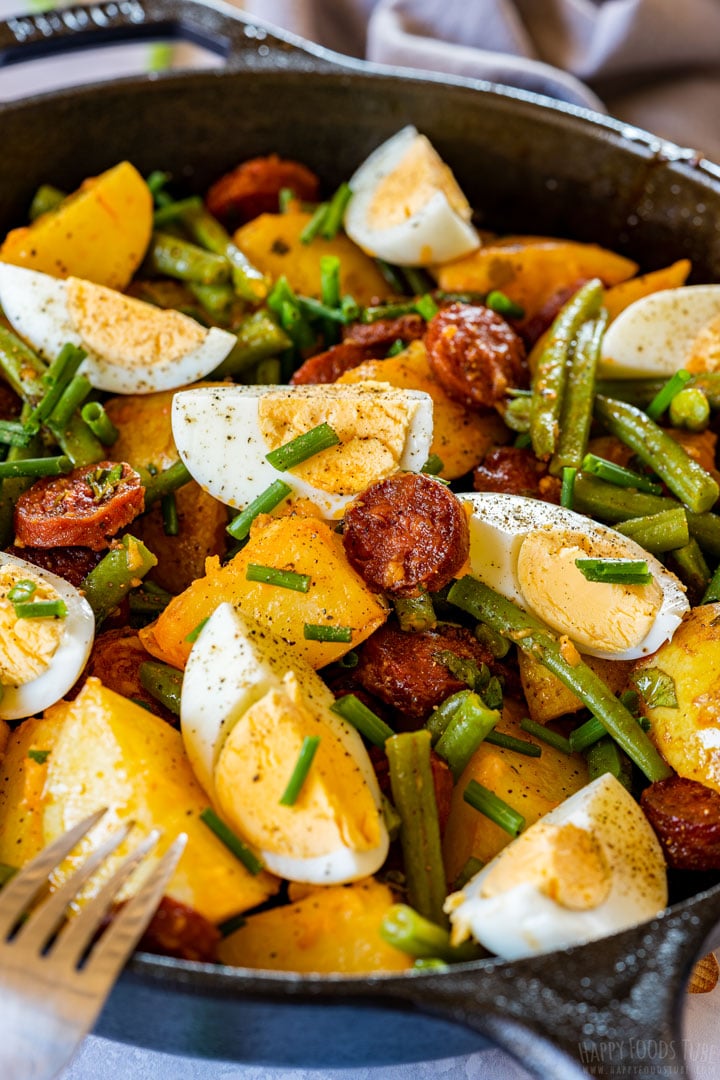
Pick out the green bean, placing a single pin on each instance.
(692, 484)
(415, 613)
(712, 593)
(551, 373)
(690, 409)
(163, 682)
(496, 643)
(634, 391)
(217, 300)
(413, 794)
(658, 532)
(249, 283)
(73, 395)
(516, 414)
(45, 199)
(538, 641)
(258, 337)
(35, 467)
(165, 482)
(174, 257)
(691, 567)
(403, 928)
(611, 503)
(443, 713)
(170, 210)
(466, 730)
(577, 406)
(116, 574)
(605, 756)
(11, 490)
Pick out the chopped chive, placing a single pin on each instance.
(407, 930)
(363, 719)
(662, 399)
(330, 280)
(40, 756)
(13, 433)
(72, 396)
(350, 308)
(173, 210)
(433, 465)
(335, 212)
(271, 497)
(56, 379)
(316, 309)
(615, 571)
(617, 474)
(493, 807)
(156, 181)
(315, 224)
(94, 415)
(171, 522)
(235, 922)
(497, 301)
(35, 467)
(21, 590)
(387, 311)
(41, 609)
(426, 307)
(286, 195)
(302, 767)
(397, 346)
(303, 447)
(317, 632)
(509, 742)
(606, 756)
(349, 660)
(240, 850)
(559, 742)
(587, 734)
(567, 491)
(195, 633)
(284, 579)
(161, 483)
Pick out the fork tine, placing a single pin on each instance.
(74, 938)
(24, 886)
(122, 936)
(48, 916)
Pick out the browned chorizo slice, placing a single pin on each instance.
(71, 563)
(178, 930)
(10, 403)
(513, 470)
(326, 367)
(407, 671)
(383, 332)
(115, 659)
(406, 533)
(686, 817)
(476, 356)
(86, 507)
(253, 188)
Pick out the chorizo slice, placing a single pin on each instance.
(72, 563)
(86, 507)
(328, 366)
(686, 817)
(475, 355)
(382, 333)
(178, 930)
(115, 659)
(253, 187)
(513, 470)
(405, 534)
(407, 671)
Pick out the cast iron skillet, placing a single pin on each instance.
(531, 165)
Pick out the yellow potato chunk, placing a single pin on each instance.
(531, 269)
(547, 698)
(337, 596)
(107, 751)
(461, 437)
(272, 244)
(99, 233)
(333, 929)
(687, 735)
(531, 785)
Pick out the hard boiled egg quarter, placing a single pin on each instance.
(132, 347)
(654, 337)
(526, 550)
(247, 705)
(591, 867)
(406, 205)
(40, 658)
(224, 433)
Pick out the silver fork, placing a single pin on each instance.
(51, 987)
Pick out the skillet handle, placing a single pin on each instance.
(243, 42)
(609, 1008)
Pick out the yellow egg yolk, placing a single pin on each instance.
(566, 863)
(372, 427)
(335, 808)
(595, 614)
(405, 190)
(27, 646)
(126, 331)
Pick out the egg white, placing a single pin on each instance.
(523, 921)
(652, 337)
(232, 665)
(36, 306)
(70, 657)
(498, 525)
(435, 233)
(217, 434)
